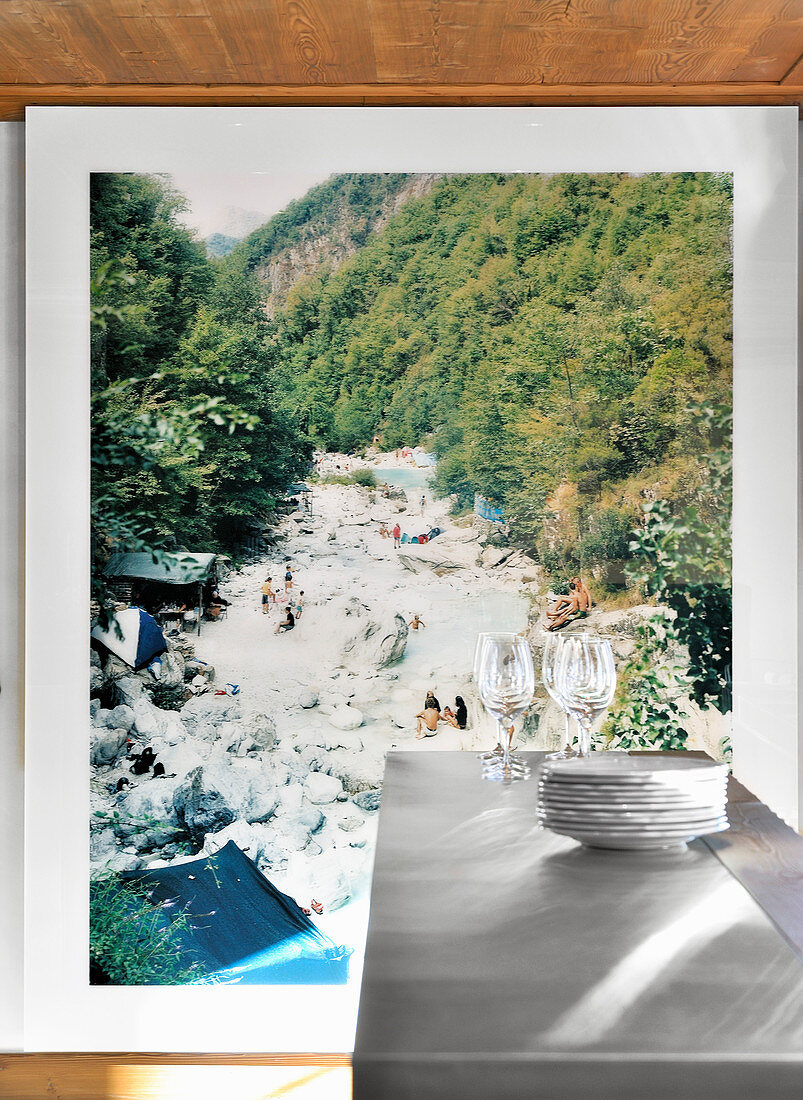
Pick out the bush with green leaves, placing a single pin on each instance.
(647, 711)
(682, 559)
(136, 941)
(365, 477)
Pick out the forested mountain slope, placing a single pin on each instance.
(319, 231)
(547, 336)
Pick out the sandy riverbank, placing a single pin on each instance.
(337, 555)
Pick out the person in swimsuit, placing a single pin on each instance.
(427, 721)
(415, 623)
(268, 596)
(457, 717)
(288, 580)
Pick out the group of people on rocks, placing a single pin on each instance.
(295, 603)
(575, 605)
(398, 538)
(427, 720)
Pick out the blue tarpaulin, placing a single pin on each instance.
(240, 927)
(486, 509)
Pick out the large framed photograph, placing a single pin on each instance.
(316, 396)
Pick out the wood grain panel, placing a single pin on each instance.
(795, 74)
(766, 856)
(775, 49)
(631, 41)
(317, 42)
(15, 98)
(440, 40)
(174, 1076)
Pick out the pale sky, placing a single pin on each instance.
(212, 193)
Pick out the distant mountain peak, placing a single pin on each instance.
(236, 222)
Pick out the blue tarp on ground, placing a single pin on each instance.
(486, 510)
(241, 928)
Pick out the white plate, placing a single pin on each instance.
(627, 843)
(575, 829)
(607, 791)
(583, 798)
(699, 828)
(659, 818)
(620, 805)
(601, 767)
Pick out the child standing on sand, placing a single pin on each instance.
(268, 596)
(288, 581)
(300, 604)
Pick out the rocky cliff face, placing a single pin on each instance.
(329, 245)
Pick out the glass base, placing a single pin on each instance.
(564, 754)
(507, 771)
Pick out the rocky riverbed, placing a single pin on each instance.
(291, 766)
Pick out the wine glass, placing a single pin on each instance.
(585, 679)
(550, 660)
(495, 753)
(506, 685)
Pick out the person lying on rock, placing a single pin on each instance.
(457, 717)
(287, 623)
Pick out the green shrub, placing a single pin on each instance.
(133, 941)
(607, 537)
(168, 698)
(364, 477)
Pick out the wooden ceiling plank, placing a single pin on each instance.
(409, 42)
(773, 52)
(432, 94)
(433, 40)
(795, 74)
(194, 40)
(328, 42)
(297, 41)
(636, 40)
(152, 53)
(406, 39)
(251, 32)
(47, 55)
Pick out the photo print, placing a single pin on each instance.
(340, 426)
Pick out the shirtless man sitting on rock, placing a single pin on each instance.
(427, 719)
(574, 606)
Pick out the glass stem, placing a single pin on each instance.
(584, 736)
(568, 737)
(505, 740)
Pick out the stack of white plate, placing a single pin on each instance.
(611, 800)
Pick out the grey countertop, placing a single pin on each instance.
(505, 960)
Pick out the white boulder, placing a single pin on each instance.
(345, 717)
(321, 788)
(107, 745)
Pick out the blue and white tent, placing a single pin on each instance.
(136, 638)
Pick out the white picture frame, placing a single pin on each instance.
(64, 145)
